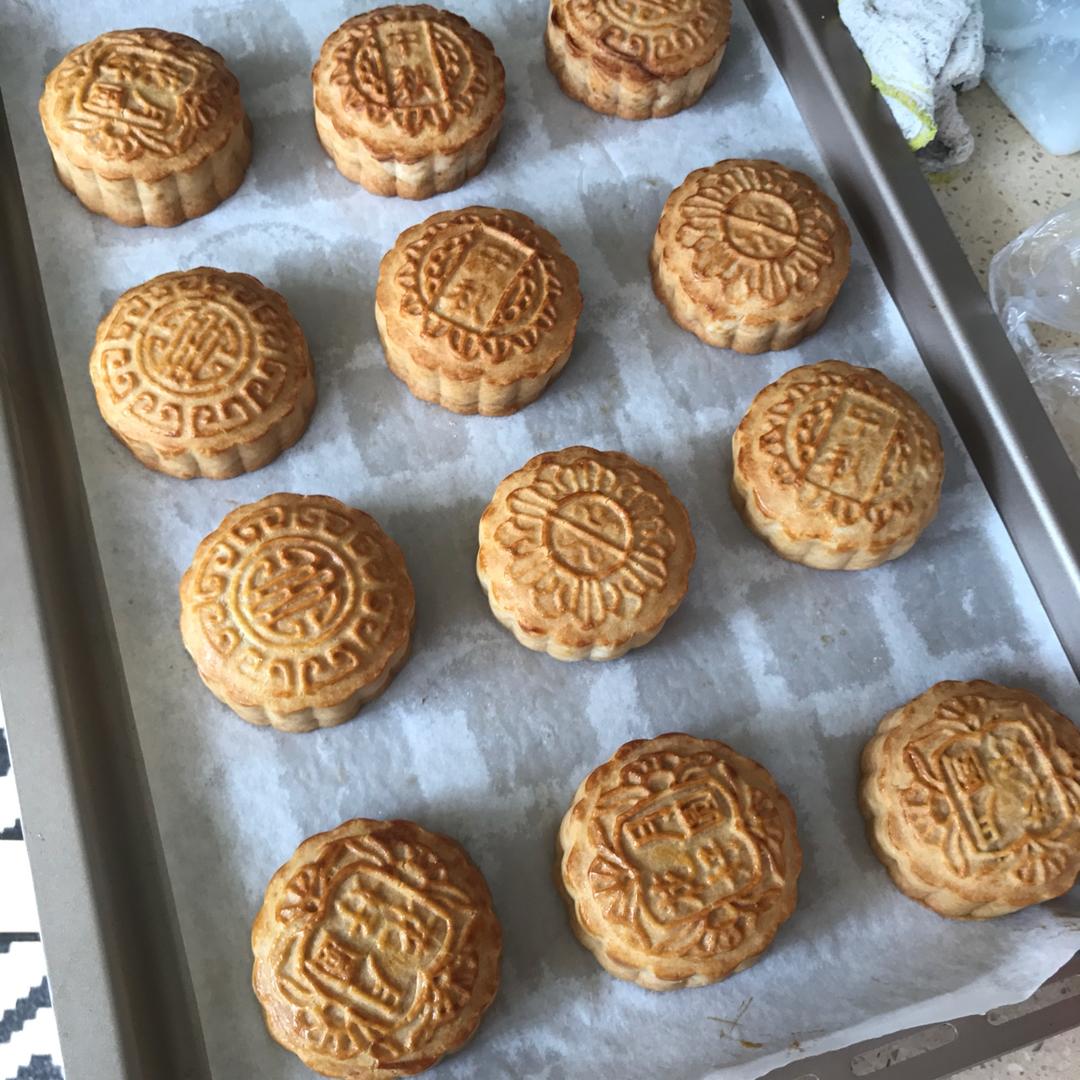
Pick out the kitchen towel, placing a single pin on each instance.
(919, 53)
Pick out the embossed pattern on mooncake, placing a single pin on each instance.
(663, 36)
(483, 279)
(758, 233)
(409, 68)
(135, 92)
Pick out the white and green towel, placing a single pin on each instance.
(920, 52)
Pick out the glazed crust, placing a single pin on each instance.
(380, 855)
(584, 554)
(971, 795)
(203, 373)
(635, 72)
(417, 128)
(143, 160)
(749, 255)
(836, 467)
(613, 885)
(451, 346)
(297, 610)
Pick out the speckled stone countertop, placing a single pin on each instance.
(1009, 184)
(1056, 1059)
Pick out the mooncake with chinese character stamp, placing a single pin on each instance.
(971, 794)
(749, 255)
(679, 861)
(203, 372)
(636, 58)
(408, 100)
(477, 309)
(297, 610)
(584, 554)
(376, 949)
(146, 127)
(836, 467)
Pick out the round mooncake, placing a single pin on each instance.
(636, 58)
(679, 861)
(408, 100)
(749, 255)
(477, 309)
(584, 554)
(297, 611)
(971, 794)
(146, 127)
(203, 373)
(376, 950)
(836, 467)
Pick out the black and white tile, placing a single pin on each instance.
(29, 1046)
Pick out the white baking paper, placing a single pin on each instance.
(478, 737)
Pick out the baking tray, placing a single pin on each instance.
(106, 906)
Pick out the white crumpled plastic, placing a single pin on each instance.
(1036, 280)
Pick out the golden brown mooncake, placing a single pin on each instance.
(971, 794)
(836, 467)
(749, 255)
(146, 127)
(376, 950)
(679, 861)
(636, 58)
(477, 309)
(203, 372)
(408, 100)
(584, 554)
(297, 611)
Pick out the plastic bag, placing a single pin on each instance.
(1036, 279)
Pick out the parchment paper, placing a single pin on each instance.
(479, 737)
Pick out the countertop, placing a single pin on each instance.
(1009, 183)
